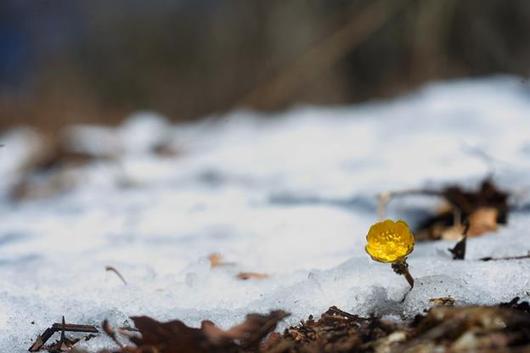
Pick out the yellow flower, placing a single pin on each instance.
(389, 241)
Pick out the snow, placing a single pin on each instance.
(291, 195)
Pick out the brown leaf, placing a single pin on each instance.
(483, 220)
(271, 341)
(215, 259)
(168, 337)
(450, 233)
(176, 337)
(488, 329)
(447, 301)
(252, 275)
(255, 328)
(484, 209)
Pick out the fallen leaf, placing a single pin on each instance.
(215, 259)
(447, 301)
(168, 337)
(176, 337)
(484, 209)
(483, 220)
(252, 275)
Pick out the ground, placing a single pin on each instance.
(291, 196)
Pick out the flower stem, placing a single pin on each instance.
(402, 268)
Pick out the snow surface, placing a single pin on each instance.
(291, 196)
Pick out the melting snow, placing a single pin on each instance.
(291, 195)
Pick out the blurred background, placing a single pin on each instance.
(72, 61)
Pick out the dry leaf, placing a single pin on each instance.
(176, 337)
(252, 275)
(502, 328)
(483, 220)
(484, 209)
(452, 233)
(168, 337)
(442, 301)
(215, 259)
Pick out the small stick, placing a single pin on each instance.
(41, 340)
(74, 328)
(63, 327)
(521, 257)
(112, 269)
(110, 332)
(128, 329)
(345, 314)
(62, 332)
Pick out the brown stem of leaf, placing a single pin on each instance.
(402, 268)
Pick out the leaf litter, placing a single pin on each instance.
(443, 328)
(482, 209)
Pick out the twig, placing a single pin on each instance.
(110, 332)
(337, 311)
(112, 269)
(521, 257)
(62, 340)
(60, 327)
(251, 275)
(75, 328)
